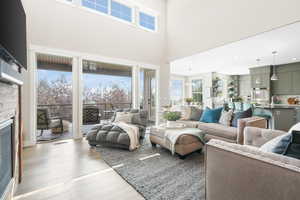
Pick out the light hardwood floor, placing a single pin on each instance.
(70, 170)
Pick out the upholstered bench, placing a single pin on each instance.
(108, 135)
(185, 144)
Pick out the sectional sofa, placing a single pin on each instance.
(245, 172)
(227, 133)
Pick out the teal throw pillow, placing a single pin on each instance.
(211, 115)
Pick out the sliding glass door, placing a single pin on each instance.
(106, 88)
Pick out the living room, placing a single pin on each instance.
(169, 91)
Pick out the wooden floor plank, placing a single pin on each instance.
(70, 170)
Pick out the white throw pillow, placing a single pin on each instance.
(226, 117)
(124, 117)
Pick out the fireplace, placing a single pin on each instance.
(6, 156)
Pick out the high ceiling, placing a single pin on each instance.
(236, 58)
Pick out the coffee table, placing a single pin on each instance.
(185, 144)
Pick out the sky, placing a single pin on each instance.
(90, 80)
(176, 89)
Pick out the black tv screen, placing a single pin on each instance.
(13, 31)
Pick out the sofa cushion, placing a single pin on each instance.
(241, 115)
(211, 115)
(219, 130)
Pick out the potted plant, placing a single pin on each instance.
(188, 100)
(171, 117)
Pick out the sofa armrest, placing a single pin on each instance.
(251, 121)
(240, 172)
(258, 136)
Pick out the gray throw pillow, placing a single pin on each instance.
(195, 113)
(278, 144)
(136, 119)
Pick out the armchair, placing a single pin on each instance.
(45, 122)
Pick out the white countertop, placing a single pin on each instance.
(278, 106)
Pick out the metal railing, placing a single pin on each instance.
(65, 110)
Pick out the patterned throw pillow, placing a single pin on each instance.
(226, 117)
(123, 117)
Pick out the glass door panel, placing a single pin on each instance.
(106, 88)
(147, 92)
(54, 98)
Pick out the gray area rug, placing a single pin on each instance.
(162, 176)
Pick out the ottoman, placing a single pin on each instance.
(185, 144)
(110, 135)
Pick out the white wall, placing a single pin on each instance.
(198, 25)
(61, 26)
(56, 25)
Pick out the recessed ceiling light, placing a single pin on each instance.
(294, 58)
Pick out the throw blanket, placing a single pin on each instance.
(172, 136)
(133, 133)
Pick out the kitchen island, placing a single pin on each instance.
(283, 116)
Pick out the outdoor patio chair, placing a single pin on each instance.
(91, 115)
(45, 122)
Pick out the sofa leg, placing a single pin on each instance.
(153, 144)
(182, 157)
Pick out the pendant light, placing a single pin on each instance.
(274, 76)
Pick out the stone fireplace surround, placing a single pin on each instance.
(9, 109)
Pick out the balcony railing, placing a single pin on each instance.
(65, 110)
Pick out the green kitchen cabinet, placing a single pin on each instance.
(296, 82)
(283, 86)
(260, 81)
(260, 77)
(284, 118)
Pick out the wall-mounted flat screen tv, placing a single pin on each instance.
(13, 46)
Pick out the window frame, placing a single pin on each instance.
(152, 14)
(130, 5)
(191, 88)
(94, 10)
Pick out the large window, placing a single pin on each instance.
(177, 91)
(121, 11)
(147, 21)
(98, 5)
(197, 90)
